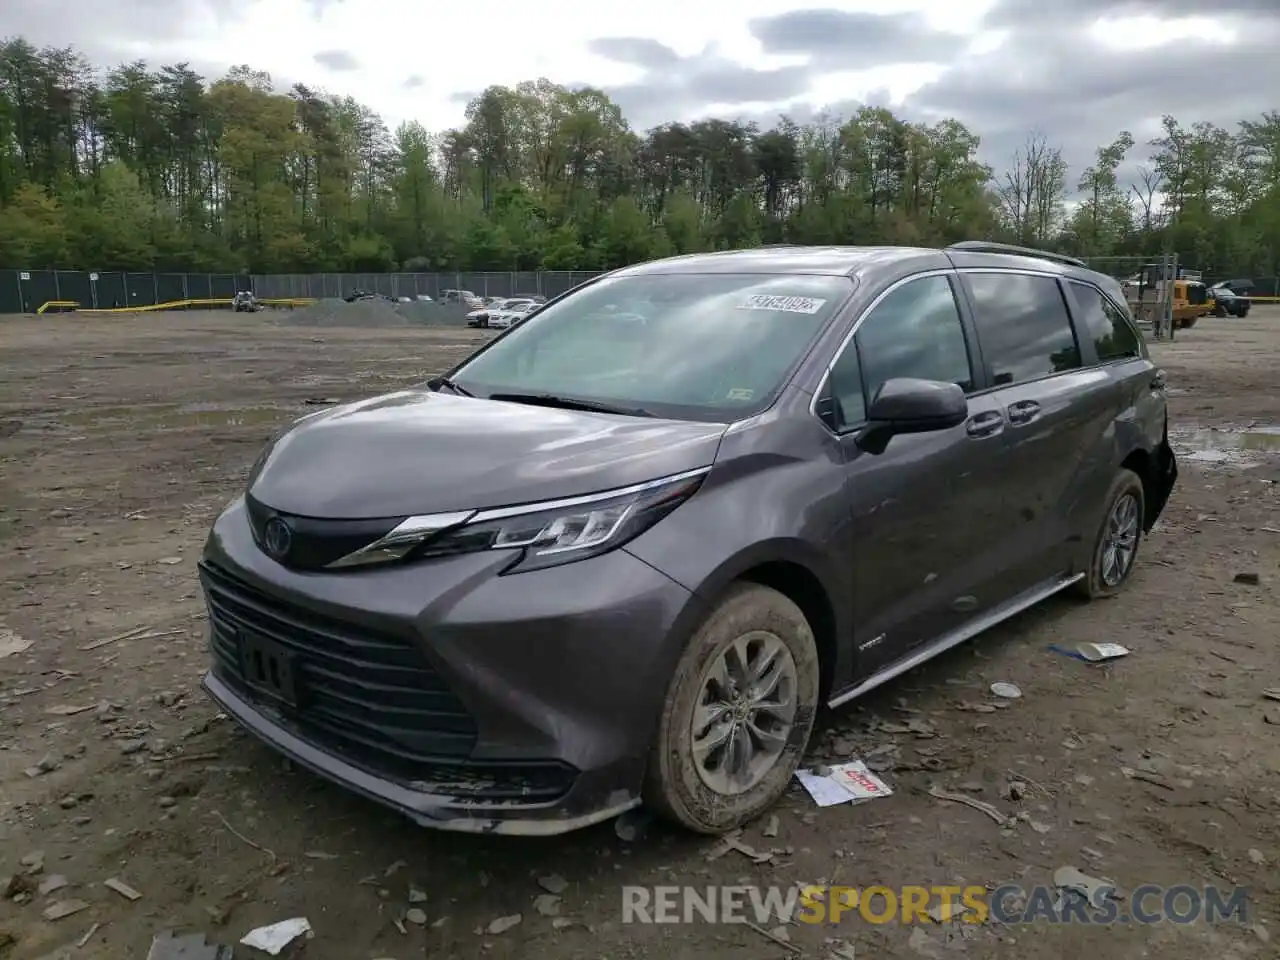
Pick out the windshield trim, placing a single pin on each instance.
(674, 411)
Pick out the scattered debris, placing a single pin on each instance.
(52, 884)
(1146, 777)
(61, 909)
(850, 782)
(979, 805)
(547, 905)
(1098, 652)
(730, 841)
(12, 642)
(1009, 691)
(416, 916)
(553, 883)
(630, 826)
(786, 944)
(137, 633)
(88, 935)
(416, 895)
(770, 827)
(46, 764)
(122, 888)
(1257, 856)
(1272, 694)
(170, 561)
(320, 855)
(274, 938)
(242, 838)
(68, 709)
(1091, 888)
(503, 924)
(1249, 577)
(193, 946)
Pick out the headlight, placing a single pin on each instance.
(536, 535)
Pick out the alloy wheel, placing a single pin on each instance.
(745, 713)
(1121, 543)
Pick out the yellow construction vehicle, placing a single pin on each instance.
(1191, 299)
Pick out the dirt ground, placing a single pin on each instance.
(120, 440)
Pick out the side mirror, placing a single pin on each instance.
(908, 405)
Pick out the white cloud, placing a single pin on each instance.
(1079, 72)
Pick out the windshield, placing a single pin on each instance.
(688, 346)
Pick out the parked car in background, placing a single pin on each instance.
(462, 297)
(626, 551)
(535, 297)
(1228, 303)
(511, 313)
(480, 317)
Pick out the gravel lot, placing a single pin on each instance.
(122, 437)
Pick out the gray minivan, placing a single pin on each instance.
(624, 552)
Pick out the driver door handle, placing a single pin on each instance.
(986, 424)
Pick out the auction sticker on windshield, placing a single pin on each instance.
(784, 304)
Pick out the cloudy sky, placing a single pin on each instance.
(1079, 71)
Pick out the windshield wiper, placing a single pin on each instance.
(435, 383)
(569, 403)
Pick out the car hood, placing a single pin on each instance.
(418, 452)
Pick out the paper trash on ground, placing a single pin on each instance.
(1093, 652)
(276, 937)
(846, 783)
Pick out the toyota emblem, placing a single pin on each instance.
(277, 538)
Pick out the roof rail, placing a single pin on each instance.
(985, 246)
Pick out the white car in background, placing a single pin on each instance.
(511, 313)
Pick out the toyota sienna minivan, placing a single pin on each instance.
(625, 551)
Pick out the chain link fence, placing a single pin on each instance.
(26, 291)
(547, 283)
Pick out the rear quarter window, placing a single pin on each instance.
(1023, 326)
(1103, 322)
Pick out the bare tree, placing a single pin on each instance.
(1145, 191)
(1033, 190)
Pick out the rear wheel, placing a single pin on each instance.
(738, 713)
(1115, 547)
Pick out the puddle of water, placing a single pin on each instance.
(1225, 446)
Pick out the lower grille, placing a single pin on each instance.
(369, 697)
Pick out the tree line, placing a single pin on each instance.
(141, 168)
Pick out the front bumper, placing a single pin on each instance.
(467, 701)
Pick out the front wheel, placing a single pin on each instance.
(738, 713)
(1115, 548)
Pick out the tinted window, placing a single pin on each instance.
(845, 387)
(707, 346)
(1106, 326)
(1024, 326)
(914, 332)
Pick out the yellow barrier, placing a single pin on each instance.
(172, 305)
(72, 304)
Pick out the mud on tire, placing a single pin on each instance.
(674, 784)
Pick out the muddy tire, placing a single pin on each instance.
(737, 715)
(1118, 539)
